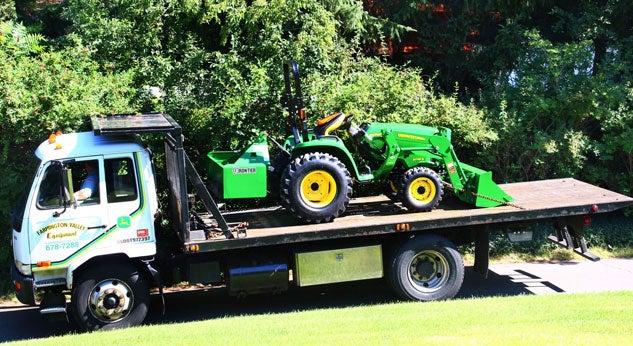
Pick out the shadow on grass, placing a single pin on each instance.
(208, 303)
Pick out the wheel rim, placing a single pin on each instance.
(423, 189)
(110, 300)
(428, 271)
(318, 189)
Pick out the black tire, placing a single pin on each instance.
(109, 297)
(316, 187)
(426, 268)
(391, 190)
(278, 165)
(420, 189)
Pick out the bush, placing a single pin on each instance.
(541, 109)
(558, 117)
(43, 91)
(373, 91)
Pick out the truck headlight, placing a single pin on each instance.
(25, 269)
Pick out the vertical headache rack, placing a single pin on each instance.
(177, 164)
(136, 124)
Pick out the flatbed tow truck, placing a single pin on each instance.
(107, 253)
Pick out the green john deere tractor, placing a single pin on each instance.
(314, 172)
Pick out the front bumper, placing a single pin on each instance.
(23, 287)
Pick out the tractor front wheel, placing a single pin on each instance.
(316, 187)
(421, 189)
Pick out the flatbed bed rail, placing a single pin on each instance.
(542, 200)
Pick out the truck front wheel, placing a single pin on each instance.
(109, 297)
(426, 268)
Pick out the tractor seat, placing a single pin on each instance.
(329, 124)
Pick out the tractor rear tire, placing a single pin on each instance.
(420, 189)
(275, 171)
(316, 187)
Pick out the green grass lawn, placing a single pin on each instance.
(560, 319)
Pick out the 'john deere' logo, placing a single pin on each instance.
(124, 221)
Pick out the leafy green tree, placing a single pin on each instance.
(42, 91)
(7, 10)
(553, 77)
(544, 104)
(374, 91)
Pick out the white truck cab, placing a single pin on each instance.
(60, 232)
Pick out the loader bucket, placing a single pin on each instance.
(481, 190)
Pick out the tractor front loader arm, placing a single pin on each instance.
(453, 167)
(470, 184)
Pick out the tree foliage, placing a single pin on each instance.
(533, 90)
(560, 99)
(42, 91)
(554, 77)
(7, 10)
(374, 91)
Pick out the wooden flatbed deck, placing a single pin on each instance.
(538, 200)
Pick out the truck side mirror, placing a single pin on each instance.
(66, 190)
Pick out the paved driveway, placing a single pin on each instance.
(555, 277)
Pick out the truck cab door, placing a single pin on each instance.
(128, 212)
(58, 231)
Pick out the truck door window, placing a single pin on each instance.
(120, 180)
(86, 181)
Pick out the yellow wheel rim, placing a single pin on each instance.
(423, 189)
(318, 189)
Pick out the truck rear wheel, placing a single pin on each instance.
(421, 189)
(426, 268)
(109, 297)
(316, 187)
